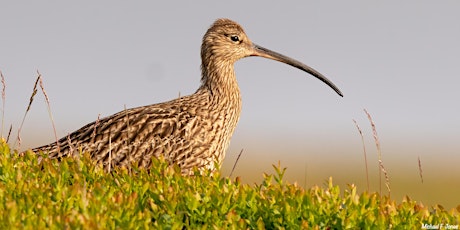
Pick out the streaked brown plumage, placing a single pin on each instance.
(190, 131)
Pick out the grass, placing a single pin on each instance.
(75, 193)
(379, 154)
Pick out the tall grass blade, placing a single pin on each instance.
(379, 151)
(110, 152)
(71, 147)
(420, 168)
(17, 143)
(9, 134)
(365, 154)
(237, 159)
(93, 135)
(128, 136)
(49, 110)
(3, 99)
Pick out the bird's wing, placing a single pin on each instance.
(135, 135)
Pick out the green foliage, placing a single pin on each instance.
(76, 194)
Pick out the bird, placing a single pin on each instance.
(189, 131)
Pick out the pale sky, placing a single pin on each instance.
(399, 60)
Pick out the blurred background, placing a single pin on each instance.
(398, 60)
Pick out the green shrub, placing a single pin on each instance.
(76, 194)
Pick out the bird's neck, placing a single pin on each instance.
(220, 80)
(219, 85)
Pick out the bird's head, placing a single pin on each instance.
(225, 42)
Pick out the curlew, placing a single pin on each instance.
(190, 131)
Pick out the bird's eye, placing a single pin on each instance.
(235, 38)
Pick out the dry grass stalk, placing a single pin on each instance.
(365, 153)
(71, 147)
(379, 151)
(19, 140)
(9, 133)
(93, 135)
(17, 143)
(110, 152)
(127, 125)
(49, 110)
(3, 98)
(127, 139)
(387, 178)
(237, 159)
(420, 168)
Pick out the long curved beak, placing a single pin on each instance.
(266, 53)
